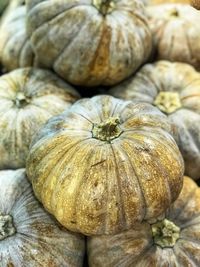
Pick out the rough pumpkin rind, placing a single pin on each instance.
(97, 170)
(36, 238)
(86, 43)
(176, 32)
(28, 98)
(183, 110)
(15, 48)
(138, 247)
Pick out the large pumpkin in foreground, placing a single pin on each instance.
(97, 169)
(29, 237)
(176, 32)
(175, 89)
(28, 98)
(89, 42)
(172, 241)
(15, 48)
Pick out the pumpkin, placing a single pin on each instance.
(176, 32)
(175, 89)
(28, 98)
(28, 235)
(158, 2)
(89, 42)
(97, 170)
(171, 241)
(15, 48)
(196, 4)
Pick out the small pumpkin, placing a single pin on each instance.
(28, 235)
(175, 89)
(171, 241)
(15, 48)
(89, 42)
(28, 98)
(98, 171)
(176, 32)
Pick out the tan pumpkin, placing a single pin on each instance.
(176, 32)
(15, 48)
(97, 170)
(196, 4)
(89, 42)
(29, 237)
(175, 89)
(28, 98)
(158, 2)
(172, 241)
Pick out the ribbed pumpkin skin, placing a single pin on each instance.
(94, 186)
(176, 32)
(15, 48)
(39, 240)
(84, 46)
(137, 247)
(158, 2)
(28, 98)
(181, 78)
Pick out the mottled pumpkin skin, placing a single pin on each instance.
(176, 32)
(38, 240)
(28, 98)
(86, 47)
(15, 48)
(137, 247)
(195, 4)
(95, 186)
(158, 2)
(182, 79)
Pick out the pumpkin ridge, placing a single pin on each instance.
(58, 159)
(121, 211)
(100, 52)
(72, 40)
(86, 171)
(138, 181)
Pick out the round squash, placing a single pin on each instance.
(89, 42)
(28, 98)
(15, 48)
(98, 171)
(29, 237)
(176, 32)
(171, 241)
(175, 89)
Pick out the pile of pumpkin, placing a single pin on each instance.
(107, 170)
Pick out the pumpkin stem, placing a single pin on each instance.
(21, 100)
(165, 233)
(104, 6)
(6, 226)
(168, 102)
(107, 130)
(174, 13)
